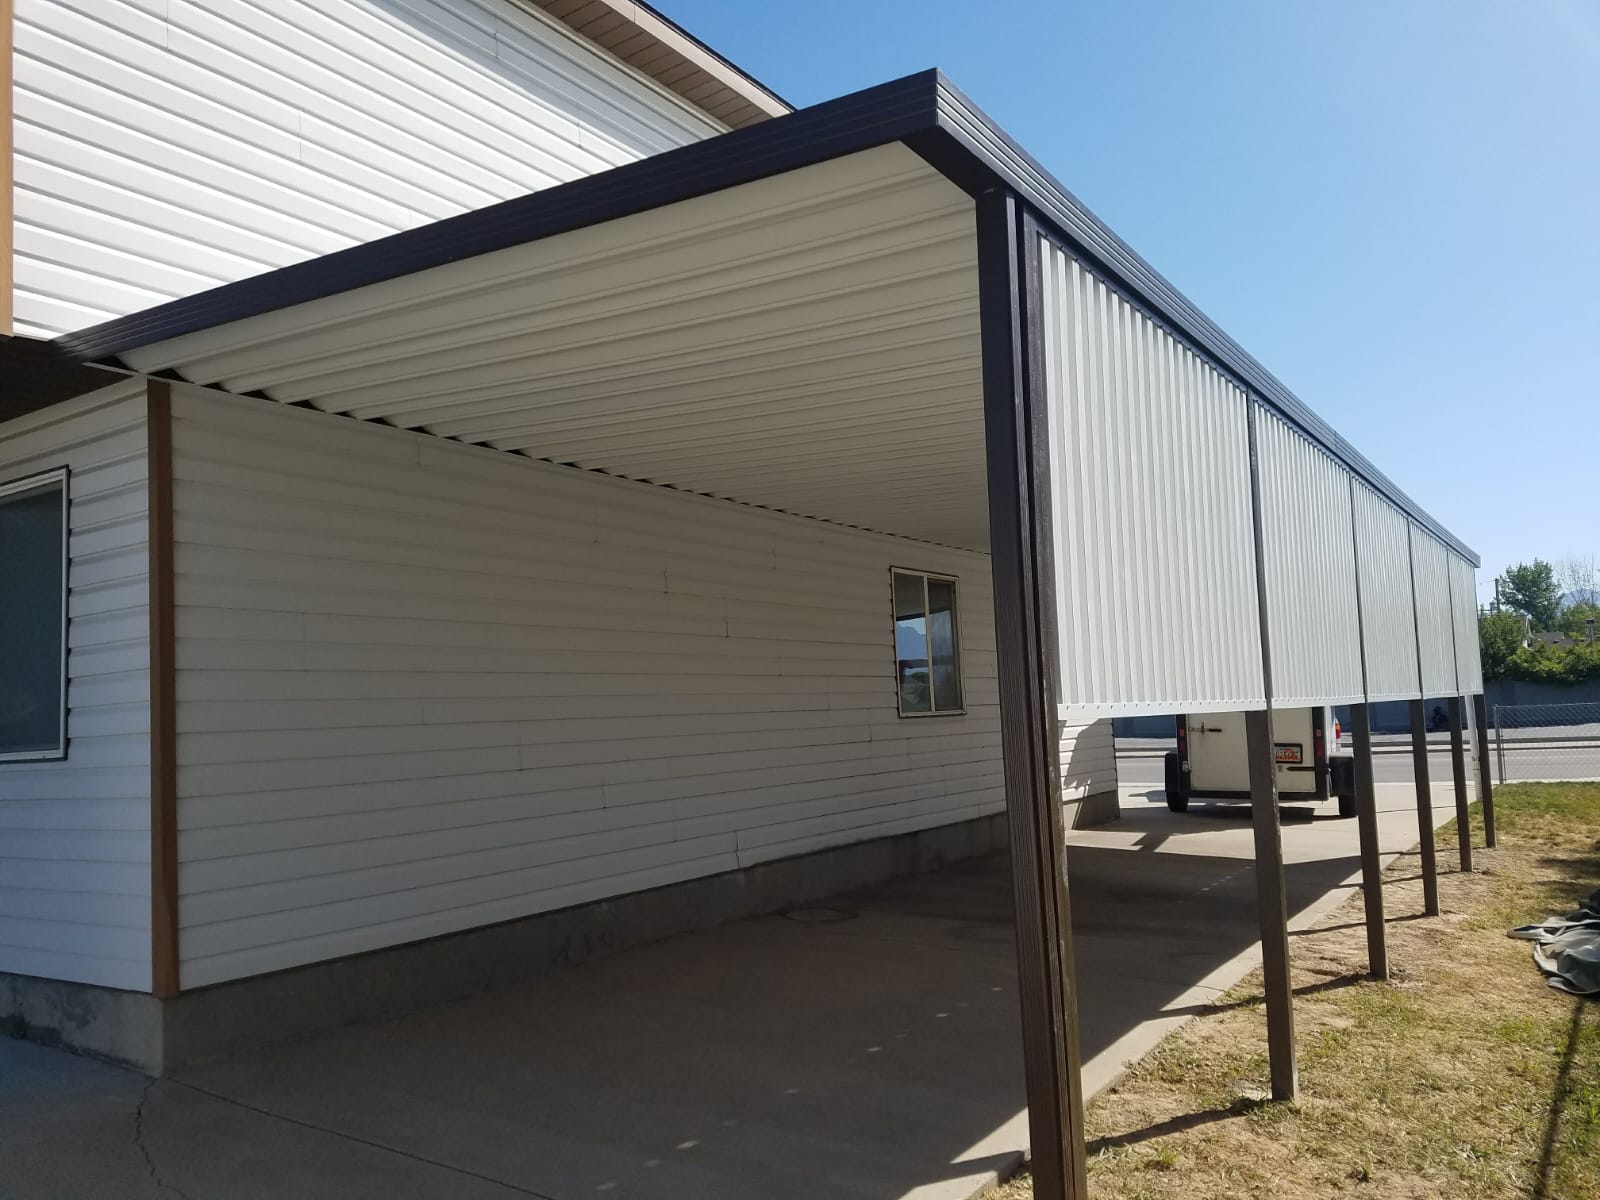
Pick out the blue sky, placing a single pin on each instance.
(1395, 206)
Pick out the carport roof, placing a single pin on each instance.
(924, 112)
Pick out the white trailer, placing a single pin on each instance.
(1210, 762)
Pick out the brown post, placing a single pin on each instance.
(1017, 447)
(1272, 908)
(1458, 771)
(1419, 769)
(1271, 904)
(1367, 827)
(163, 698)
(1480, 711)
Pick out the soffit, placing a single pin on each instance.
(806, 342)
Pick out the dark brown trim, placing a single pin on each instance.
(163, 700)
(36, 374)
(8, 175)
(1017, 450)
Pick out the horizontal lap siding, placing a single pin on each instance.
(1155, 560)
(1088, 759)
(75, 834)
(423, 688)
(163, 149)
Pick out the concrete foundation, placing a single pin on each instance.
(158, 1037)
(1092, 810)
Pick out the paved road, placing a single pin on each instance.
(1140, 763)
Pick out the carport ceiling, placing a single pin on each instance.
(807, 342)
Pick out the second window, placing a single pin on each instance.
(927, 644)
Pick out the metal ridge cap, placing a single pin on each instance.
(875, 116)
(1076, 224)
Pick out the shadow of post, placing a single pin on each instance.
(1239, 1108)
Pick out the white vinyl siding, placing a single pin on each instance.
(424, 687)
(1309, 560)
(75, 833)
(163, 149)
(1088, 759)
(1155, 557)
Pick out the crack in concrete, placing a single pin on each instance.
(144, 1150)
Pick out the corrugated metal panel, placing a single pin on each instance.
(162, 150)
(1155, 556)
(1388, 616)
(424, 687)
(1308, 551)
(75, 834)
(1436, 643)
(1464, 605)
(807, 343)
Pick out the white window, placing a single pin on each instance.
(927, 644)
(33, 617)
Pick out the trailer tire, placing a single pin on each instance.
(1342, 781)
(1177, 786)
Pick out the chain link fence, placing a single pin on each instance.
(1546, 742)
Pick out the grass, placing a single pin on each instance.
(1463, 1076)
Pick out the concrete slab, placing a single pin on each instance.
(864, 1047)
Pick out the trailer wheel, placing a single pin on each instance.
(1177, 786)
(1342, 779)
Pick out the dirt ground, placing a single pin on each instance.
(1463, 1076)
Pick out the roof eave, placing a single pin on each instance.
(925, 111)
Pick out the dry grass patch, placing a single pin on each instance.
(1464, 1076)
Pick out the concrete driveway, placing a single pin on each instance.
(868, 1048)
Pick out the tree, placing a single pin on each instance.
(1576, 576)
(1531, 589)
(1499, 638)
(1575, 619)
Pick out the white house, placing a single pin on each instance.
(487, 484)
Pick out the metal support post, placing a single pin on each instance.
(1500, 742)
(1480, 710)
(1272, 904)
(1458, 772)
(1419, 769)
(1017, 450)
(1367, 826)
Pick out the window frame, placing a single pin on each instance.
(55, 477)
(961, 681)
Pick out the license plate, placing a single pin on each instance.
(1289, 753)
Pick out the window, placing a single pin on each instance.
(927, 644)
(33, 607)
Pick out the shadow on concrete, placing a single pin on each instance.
(868, 1046)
